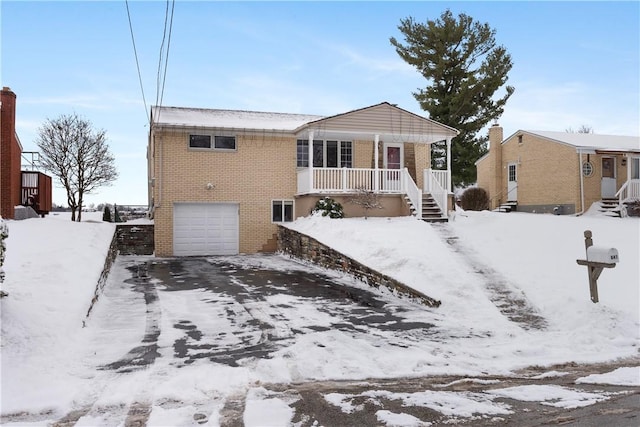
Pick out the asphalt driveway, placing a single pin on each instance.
(256, 309)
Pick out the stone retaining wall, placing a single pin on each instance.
(135, 239)
(102, 280)
(127, 240)
(307, 248)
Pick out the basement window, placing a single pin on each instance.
(281, 210)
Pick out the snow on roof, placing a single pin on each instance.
(235, 119)
(593, 141)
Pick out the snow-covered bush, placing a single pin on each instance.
(474, 199)
(4, 233)
(329, 207)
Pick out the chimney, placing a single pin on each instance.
(495, 153)
(10, 152)
(495, 136)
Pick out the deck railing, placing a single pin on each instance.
(436, 183)
(630, 190)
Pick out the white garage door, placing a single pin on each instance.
(205, 229)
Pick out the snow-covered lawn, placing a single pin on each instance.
(53, 265)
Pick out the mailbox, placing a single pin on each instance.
(602, 254)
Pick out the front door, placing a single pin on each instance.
(393, 158)
(512, 182)
(608, 184)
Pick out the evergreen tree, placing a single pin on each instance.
(464, 68)
(116, 214)
(106, 215)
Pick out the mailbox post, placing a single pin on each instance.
(598, 258)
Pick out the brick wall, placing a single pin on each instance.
(10, 152)
(307, 248)
(262, 169)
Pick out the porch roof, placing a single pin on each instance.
(389, 122)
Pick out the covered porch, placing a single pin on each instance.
(386, 129)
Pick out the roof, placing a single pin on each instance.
(233, 119)
(387, 121)
(592, 141)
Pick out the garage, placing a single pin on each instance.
(205, 229)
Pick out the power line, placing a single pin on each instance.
(135, 52)
(166, 35)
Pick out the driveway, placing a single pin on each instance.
(252, 311)
(266, 341)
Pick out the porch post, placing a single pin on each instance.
(311, 161)
(628, 156)
(449, 165)
(376, 177)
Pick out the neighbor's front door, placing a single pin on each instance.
(393, 158)
(512, 182)
(608, 184)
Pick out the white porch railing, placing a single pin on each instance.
(413, 192)
(436, 183)
(630, 190)
(389, 181)
(349, 180)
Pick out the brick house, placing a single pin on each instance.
(559, 172)
(220, 180)
(18, 187)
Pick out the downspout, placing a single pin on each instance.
(376, 184)
(581, 183)
(310, 148)
(449, 186)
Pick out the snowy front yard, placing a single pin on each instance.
(479, 266)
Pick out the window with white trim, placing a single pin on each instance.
(220, 142)
(281, 210)
(326, 154)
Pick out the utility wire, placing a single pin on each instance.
(166, 61)
(135, 52)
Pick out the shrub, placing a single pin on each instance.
(475, 199)
(4, 233)
(329, 207)
(106, 215)
(633, 207)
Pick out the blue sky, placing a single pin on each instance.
(574, 63)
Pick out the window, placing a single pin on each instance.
(282, 210)
(225, 142)
(635, 168)
(199, 141)
(512, 173)
(587, 169)
(519, 139)
(326, 154)
(219, 142)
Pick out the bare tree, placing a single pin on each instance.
(581, 129)
(78, 156)
(367, 199)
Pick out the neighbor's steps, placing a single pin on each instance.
(610, 207)
(506, 207)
